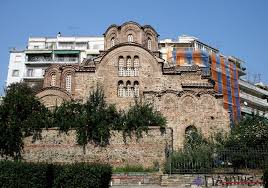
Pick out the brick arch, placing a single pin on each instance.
(68, 71)
(54, 69)
(187, 102)
(207, 104)
(53, 96)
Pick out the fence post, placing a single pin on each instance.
(170, 160)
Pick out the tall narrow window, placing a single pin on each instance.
(30, 73)
(53, 80)
(136, 89)
(128, 89)
(128, 73)
(121, 92)
(68, 83)
(112, 42)
(149, 44)
(130, 38)
(121, 66)
(136, 66)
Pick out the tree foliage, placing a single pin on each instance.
(21, 114)
(250, 133)
(138, 119)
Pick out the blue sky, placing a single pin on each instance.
(236, 27)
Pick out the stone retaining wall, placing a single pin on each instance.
(62, 148)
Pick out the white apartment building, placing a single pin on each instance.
(29, 64)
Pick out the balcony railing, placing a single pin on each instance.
(253, 99)
(66, 60)
(249, 110)
(252, 87)
(39, 59)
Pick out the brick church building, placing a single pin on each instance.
(131, 67)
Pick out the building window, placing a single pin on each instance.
(15, 73)
(130, 38)
(30, 73)
(53, 80)
(149, 44)
(128, 68)
(112, 42)
(121, 91)
(68, 82)
(18, 58)
(136, 66)
(128, 73)
(190, 132)
(128, 89)
(121, 66)
(136, 89)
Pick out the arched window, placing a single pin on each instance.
(149, 43)
(136, 89)
(121, 91)
(112, 42)
(68, 83)
(130, 38)
(128, 73)
(136, 66)
(121, 66)
(53, 80)
(190, 133)
(128, 89)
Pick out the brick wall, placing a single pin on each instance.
(62, 148)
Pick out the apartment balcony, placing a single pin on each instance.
(249, 110)
(252, 88)
(66, 60)
(39, 60)
(255, 100)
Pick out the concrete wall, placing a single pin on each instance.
(212, 180)
(16, 62)
(62, 148)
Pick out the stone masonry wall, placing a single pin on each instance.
(62, 148)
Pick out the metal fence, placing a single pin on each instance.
(222, 161)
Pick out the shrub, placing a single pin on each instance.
(83, 175)
(17, 174)
(265, 178)
(20, 174)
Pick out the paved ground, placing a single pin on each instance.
(139, 186)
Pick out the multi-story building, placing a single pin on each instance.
(29, 65)
(1, 100)
(254, 99)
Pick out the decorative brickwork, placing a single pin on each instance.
(182, 94)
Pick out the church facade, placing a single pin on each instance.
(131, 67)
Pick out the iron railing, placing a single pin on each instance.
(222, 161)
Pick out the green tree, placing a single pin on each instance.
(138, 119)
(250, 133)
(21, 114)
(100, 119)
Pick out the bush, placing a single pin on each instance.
(265, 178)
(19, 174)
(83, 175)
